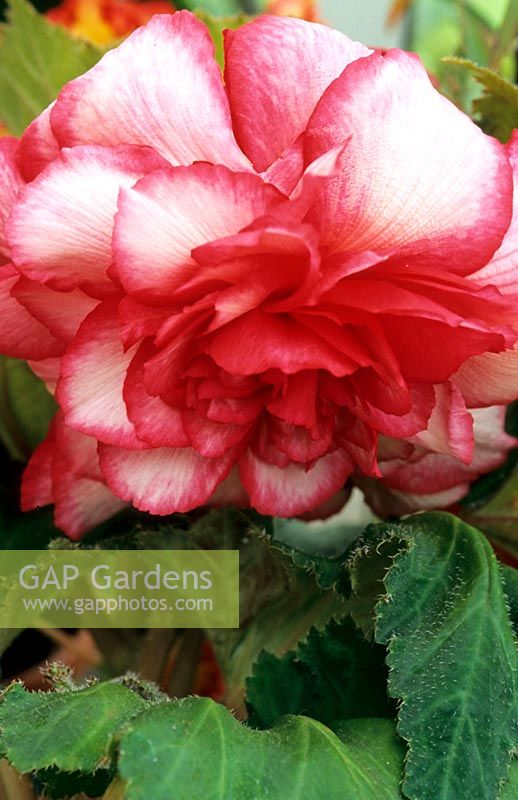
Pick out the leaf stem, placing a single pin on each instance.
(14, 786)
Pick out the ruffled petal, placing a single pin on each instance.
(10, 184)
(61, 312)
(502, 270)
(61, 228)
(21, 335)
(294, 489)
(81, 498)
(276, 70)
(489, 379)
(156, 422)
(64, 470)
(164, 480)
(36, 490)
(169, 213)
(418, 176)
(450, 428)
(93, 370)
(38, 146)
(161, 87)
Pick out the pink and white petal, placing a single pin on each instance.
(417, 175)
(81, 504)
(164, 480)
(90, 388)
(287, 170)
(212, 439)
(156, 423)
(489, 429)
(36, 490)
(48, 371)
(276, 71)
(38, 146)
(489, 379)
(502, 270)
(61, 312)
(138, 320)
(292, 490)
(169, 213)
(81, 498)
(426, 473)
(450, 428)
(10, 184)
(61, 228)
(77, 452)
(21, 335)
(161, 87)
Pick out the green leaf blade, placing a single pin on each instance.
(333, 675)
(36, 60)
(200, 751)
(74, 731)
(452, 658)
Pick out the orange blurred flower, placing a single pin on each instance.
(398, 10)
(102, 21)
(305, 9)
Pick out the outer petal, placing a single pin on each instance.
(10, 184)
(81, 498)
(60, 230)
(164, 480)
(417, 174)
(502, 270)
(21, 335)
(489, 379)
(64, 470)
(36, 490)
(93, 371)
(450, 428)
(276, 71)
(38, 146)
(162, 88)
(48, 371)
(293, 490)
(169, 213)
(61, 312)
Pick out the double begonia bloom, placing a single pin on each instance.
(248, 288)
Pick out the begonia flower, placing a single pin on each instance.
(248, 288)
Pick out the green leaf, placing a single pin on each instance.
(201, 751)
(278, 625)
(217, 24)
(26, 407)
(510, 790)
(452, 656)
(333, 675)
(74, 731)
(36, 60)
(499, 517)
(510, 583)
(378, 749)
(497, 108)
(321, 549)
